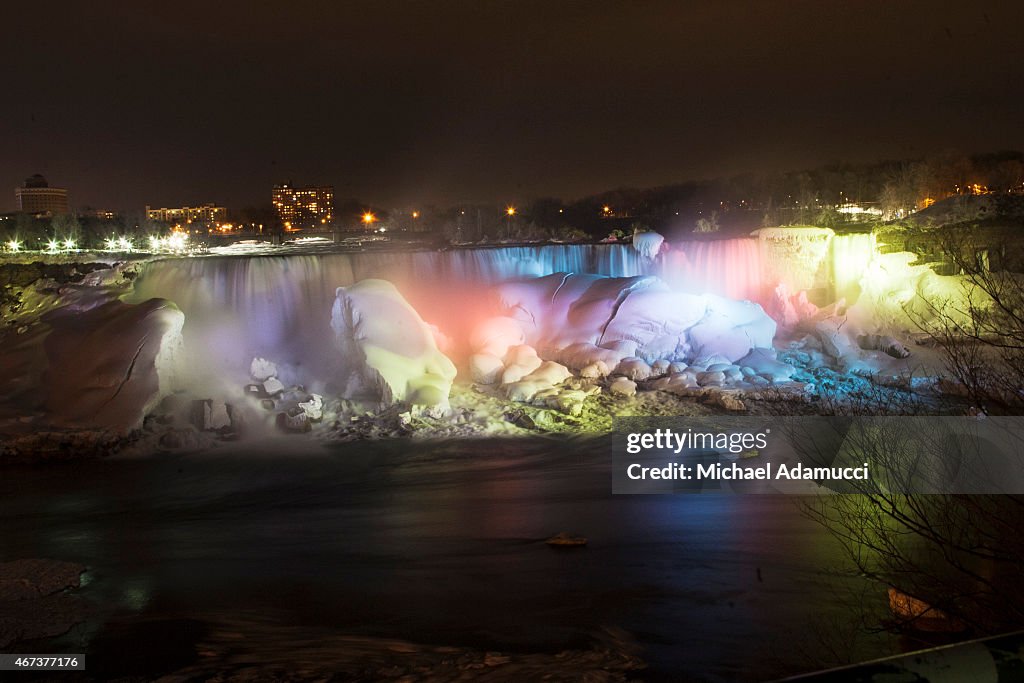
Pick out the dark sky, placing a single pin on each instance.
(399, 103)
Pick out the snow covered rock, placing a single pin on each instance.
(656, 321)
(727, 400)
(623, 387)
(262, 369)
(387, 348)
(569, 401)
(583, 355)
(731, 329)
(883, 342)
(713, 377)
(520, 361)
(595, 371)
(763, 362)
(314, 407)
(633, 368)
(485, 368)
(648, 243)
(660, 367)
(582, 319)
(550, 372)
(835, 338)
(273, 387)
(110, 365)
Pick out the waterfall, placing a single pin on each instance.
(238, 307)
(731, 268)
(278, 306)
(851, 257)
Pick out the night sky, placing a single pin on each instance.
(403, 103)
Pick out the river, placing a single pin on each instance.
(433, 542)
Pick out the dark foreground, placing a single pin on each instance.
(387, 558)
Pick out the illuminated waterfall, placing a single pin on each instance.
(277, 306)
(851, 257)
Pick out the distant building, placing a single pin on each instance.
(304, 207)
(207, 214)
(862, 211)
(102, 214)
(36, 196)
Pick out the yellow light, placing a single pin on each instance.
(14, 246)
(415, 214)
(607, 209)
(369, 218)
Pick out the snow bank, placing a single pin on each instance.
(386, 347)
(108, 366)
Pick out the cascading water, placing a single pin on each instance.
(731, 268)
(278, 306)
(851, 257)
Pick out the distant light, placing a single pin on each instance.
(559, 211)
(53, 246)
(14, 246)
(415, 214)
(111, 244)
(606, 209)
(125, 244)
(511, 211)
(69, 244)
(369, 218)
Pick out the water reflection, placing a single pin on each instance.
(434, 543)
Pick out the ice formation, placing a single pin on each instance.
(635, 330)
(584, 320)
(648, 244)
(109, 366)
(386, 347)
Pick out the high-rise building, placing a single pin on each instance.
(36, 196)
(304, 207)
(207, 214)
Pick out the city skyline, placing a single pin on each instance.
(414, 104)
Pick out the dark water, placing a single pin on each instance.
(438, 544)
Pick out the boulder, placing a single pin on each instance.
(387, 349)
(764, 362)
(485, 368)
(731, 329)
(623, 387)
(109, 366)
(633, 368)
(648, 244)
(262, 369)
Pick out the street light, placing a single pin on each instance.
(368, 219)
(511, 211)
